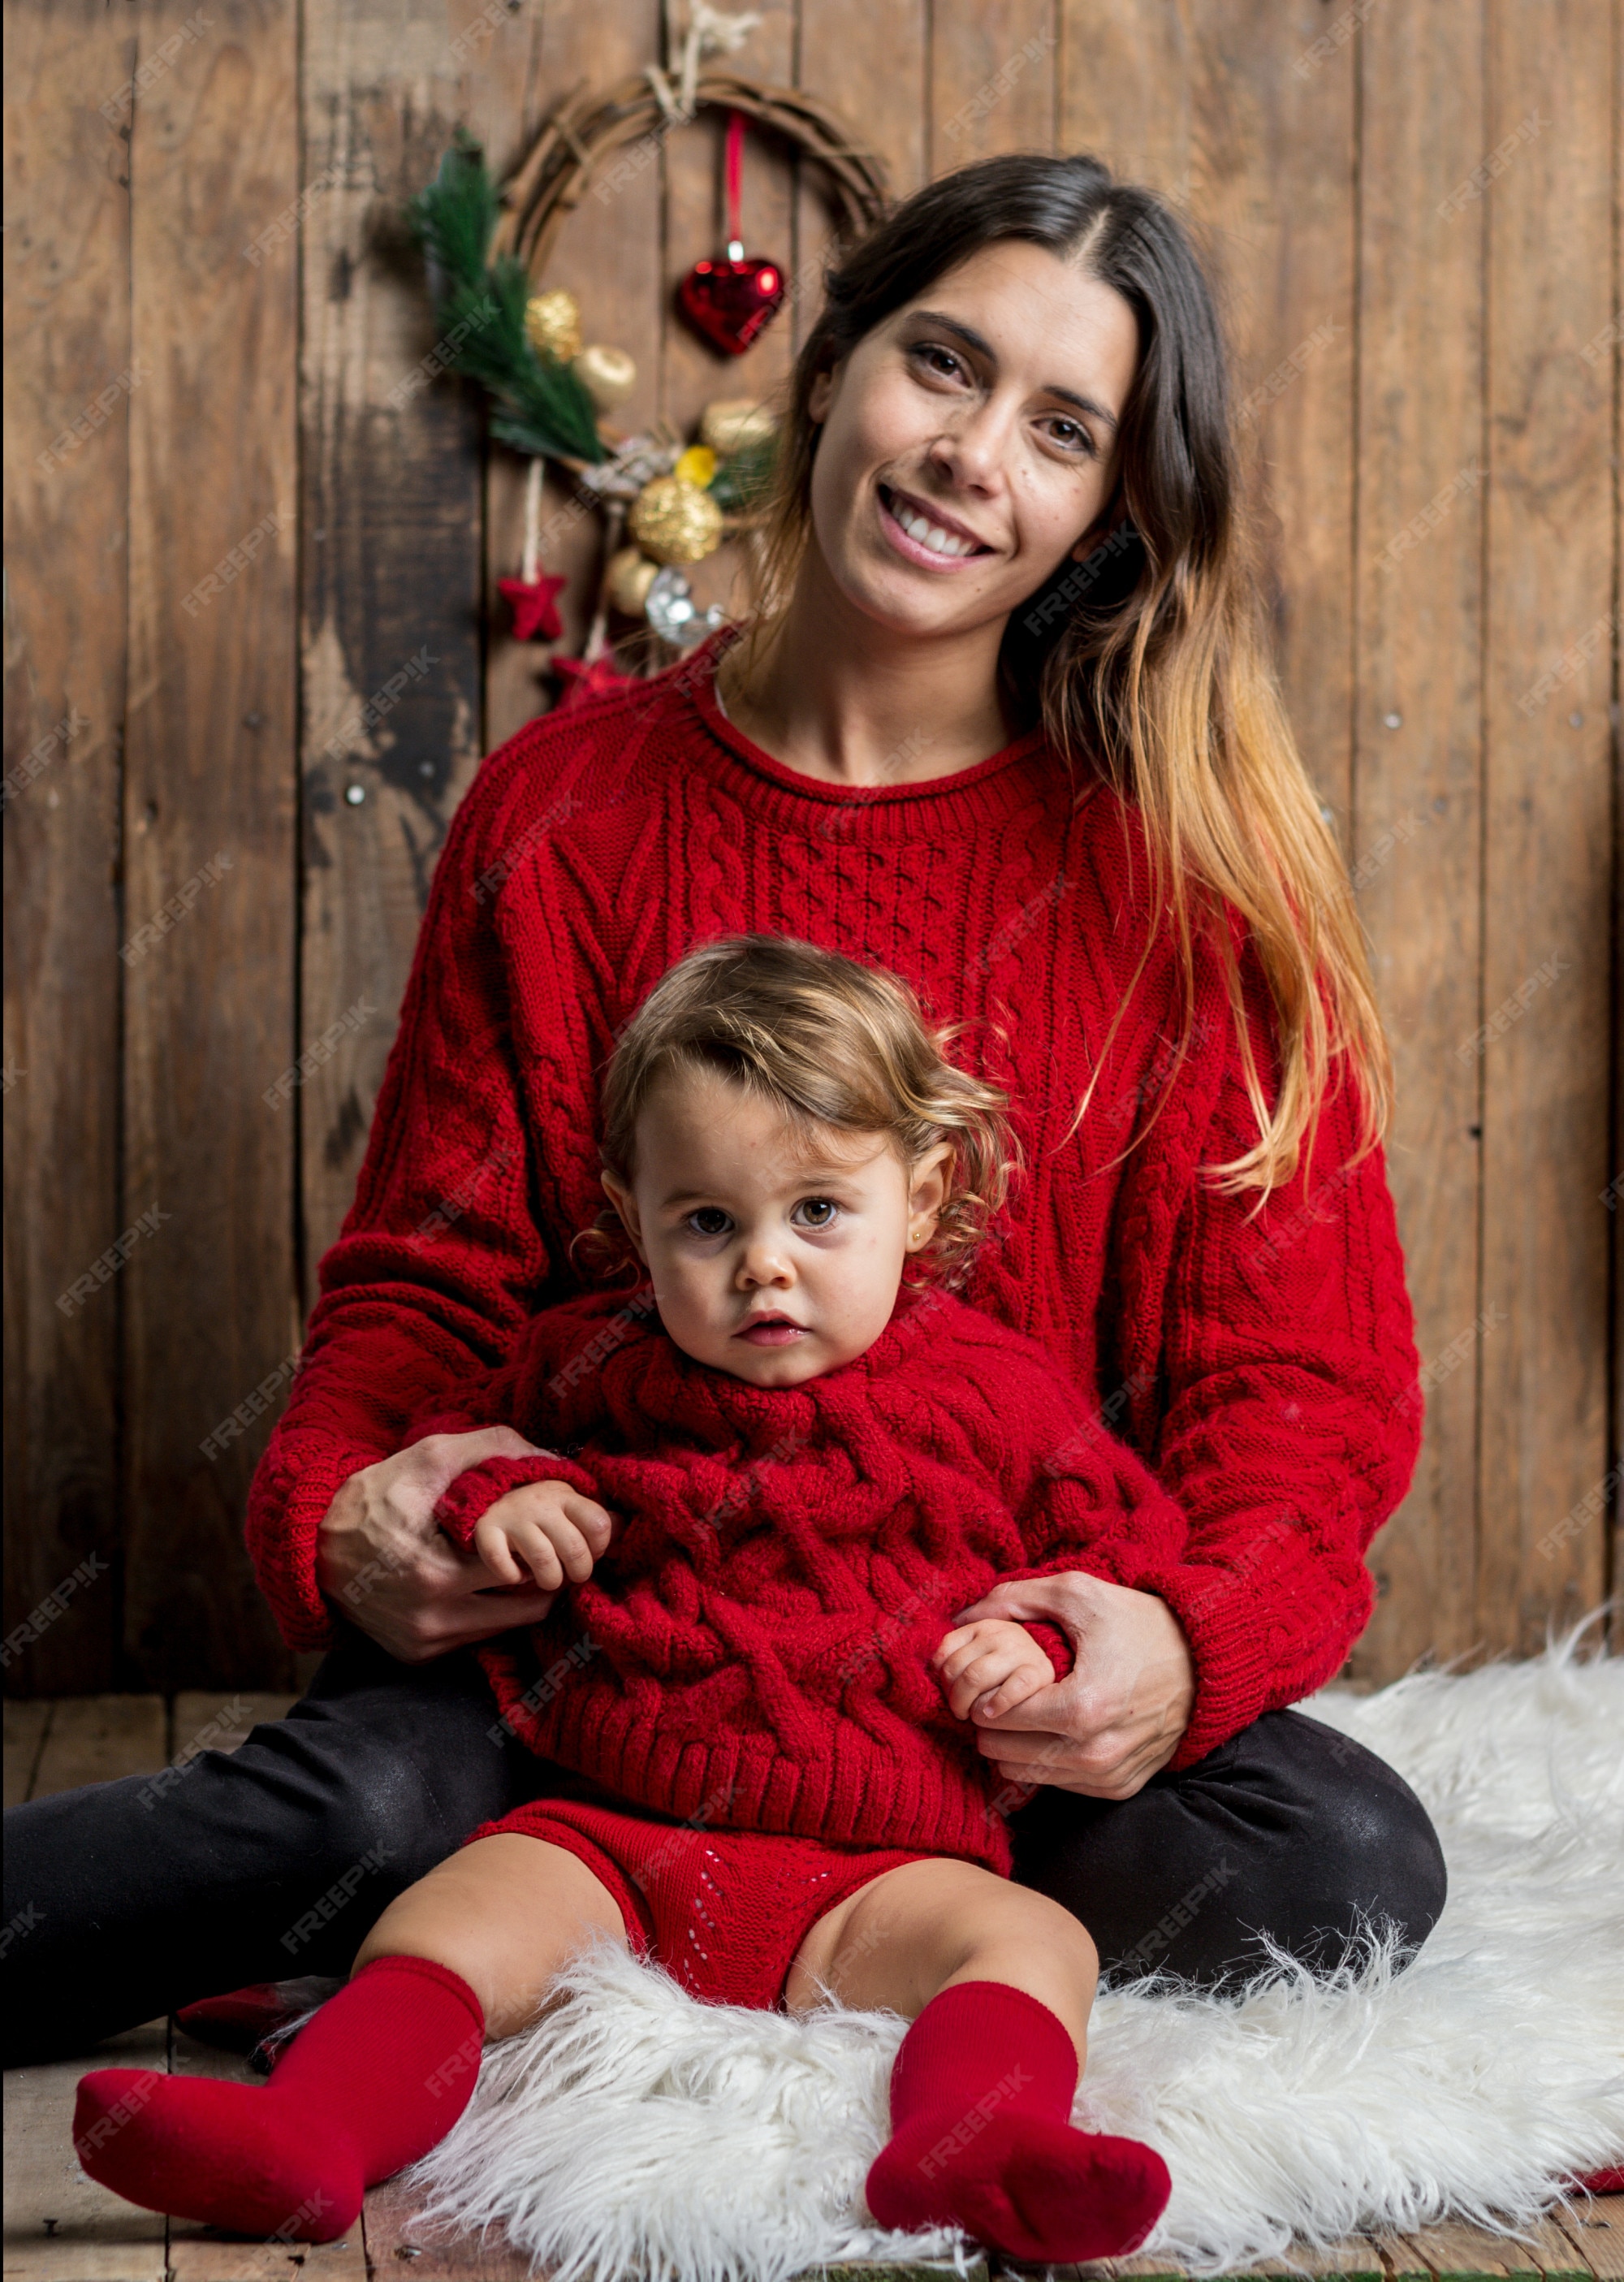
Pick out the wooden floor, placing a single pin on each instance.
(61, 2227)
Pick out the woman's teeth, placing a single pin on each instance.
(925, 533)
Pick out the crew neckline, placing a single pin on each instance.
(1004, 781)
(915, 1302)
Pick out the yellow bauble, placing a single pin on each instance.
(631, 574)
(608, 374)
(696, 465)
(675, 522)
(553, 322)
(733, 422)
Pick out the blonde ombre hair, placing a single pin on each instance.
(1148, 663)
(836, 1048)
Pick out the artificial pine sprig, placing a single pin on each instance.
(743, 480)
(479, 312)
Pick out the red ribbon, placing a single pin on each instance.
(735, 171)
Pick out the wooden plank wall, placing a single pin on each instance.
(1413, 215)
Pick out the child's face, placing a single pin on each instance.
(732, 1227)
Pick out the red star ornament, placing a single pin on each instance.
(535, 615)
(578, 680)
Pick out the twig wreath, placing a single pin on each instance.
(551, 396)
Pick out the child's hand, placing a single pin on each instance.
(990, 1667)
(546, 1531)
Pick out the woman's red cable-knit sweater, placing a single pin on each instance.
(755, 1647)
(1264, 1368)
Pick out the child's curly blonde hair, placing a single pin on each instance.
(829, 1043)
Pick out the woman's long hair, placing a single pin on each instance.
(1149, 661)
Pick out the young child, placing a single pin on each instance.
(782, 1467)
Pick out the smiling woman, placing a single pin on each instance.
(1008, 493)
(1004, 726)
(949, 469)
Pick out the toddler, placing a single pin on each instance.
(781, 1465)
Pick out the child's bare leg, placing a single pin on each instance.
(998, 1982)
(898, 1941)
(378, 2076)
(506, 1913)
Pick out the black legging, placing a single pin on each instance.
(125, 1899)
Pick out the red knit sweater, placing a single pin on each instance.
(1265, 1369)
(755, 1646)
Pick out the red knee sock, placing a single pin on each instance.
(981, 2095)
(374, 2081)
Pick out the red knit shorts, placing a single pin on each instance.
(723, 1911)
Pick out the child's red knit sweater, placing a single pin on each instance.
(1264, 1368)
(755, 1647)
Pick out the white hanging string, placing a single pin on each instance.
(533, 522)
(710, 31)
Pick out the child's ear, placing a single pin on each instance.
(625, 1205)
(927, 1192)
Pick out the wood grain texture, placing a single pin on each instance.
(609, 256)
(1559, 2257)
(68, 382)
(994, 79)
(1427, 363)
(26, 1722)
(98, 1739)
(1548, 858)
(1272, 171)
(209, 823)
(390, 540)
(1466, 2250)
(61, 2226)
(1596, 2229)
(1417, 759)
(396, 2244)
(872, 66)
(204, 1720)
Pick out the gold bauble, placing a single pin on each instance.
(696, 465)
(553, 322)
(606, 374)
(674, 522)
(733, 422)
(631, 574)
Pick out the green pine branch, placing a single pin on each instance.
(744, 481)
(542, 406)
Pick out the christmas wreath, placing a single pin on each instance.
(550, 396)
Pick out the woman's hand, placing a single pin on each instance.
(1119, 1714)
(385, 1563)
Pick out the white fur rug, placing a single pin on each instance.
(633, 2133)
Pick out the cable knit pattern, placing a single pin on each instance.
(1265, 1367)
(760, 1632)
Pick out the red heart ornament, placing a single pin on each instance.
(730, 301)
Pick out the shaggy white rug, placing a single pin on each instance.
(633, 2133)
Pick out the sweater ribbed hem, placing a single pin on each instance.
(852, 1792)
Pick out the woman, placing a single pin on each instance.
(1004, 722)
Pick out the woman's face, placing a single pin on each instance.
(968, 442)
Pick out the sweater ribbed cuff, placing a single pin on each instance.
(476, 1488)
(1240, 1662)
(286, 1565)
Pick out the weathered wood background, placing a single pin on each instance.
(1414, 211)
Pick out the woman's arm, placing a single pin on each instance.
(1292, 1425)
(436, 1268)
(1293, 1421)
